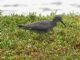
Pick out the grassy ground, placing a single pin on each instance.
(62, 43)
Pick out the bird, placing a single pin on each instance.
(43, 25)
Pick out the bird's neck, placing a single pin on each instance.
(54, 22)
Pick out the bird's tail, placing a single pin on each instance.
(21, 26)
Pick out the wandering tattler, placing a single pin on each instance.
(44, 25)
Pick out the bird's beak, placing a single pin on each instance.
(62, 23)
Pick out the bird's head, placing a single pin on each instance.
(58, 18)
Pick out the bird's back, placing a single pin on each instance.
(40, 25)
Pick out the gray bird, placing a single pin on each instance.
(44, 25)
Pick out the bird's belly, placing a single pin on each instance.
(41, 29)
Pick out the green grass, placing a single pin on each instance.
(61, 43)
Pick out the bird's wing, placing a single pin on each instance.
(39, 25)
